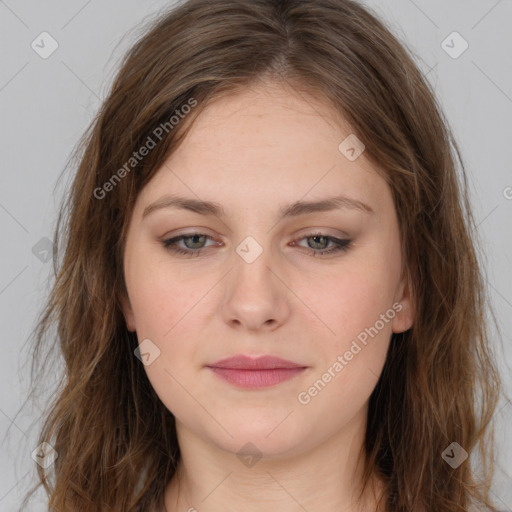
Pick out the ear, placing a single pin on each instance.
(405, 312)
(128, 312)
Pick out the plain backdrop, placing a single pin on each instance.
(46, 104)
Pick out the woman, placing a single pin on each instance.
(269, 294)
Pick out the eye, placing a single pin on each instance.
(321, 241)
(194, 244)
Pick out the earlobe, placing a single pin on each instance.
(128, 313)
(405, 312)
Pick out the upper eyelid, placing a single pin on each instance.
(318, 232)
(339, 245)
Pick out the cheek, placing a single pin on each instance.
(356, 308)
(354, 297)
(166, 311)
(162, 300)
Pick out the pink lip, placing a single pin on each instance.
(247, 372)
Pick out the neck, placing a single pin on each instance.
(327, 477)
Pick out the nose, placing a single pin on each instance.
(256, 298)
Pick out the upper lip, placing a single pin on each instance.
(241, 362)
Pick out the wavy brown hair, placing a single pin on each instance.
(116, 441)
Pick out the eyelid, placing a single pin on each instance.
(327, 232)
(187, 234)
(339, 245)
(304, 233)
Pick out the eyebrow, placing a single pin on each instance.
(292, 210)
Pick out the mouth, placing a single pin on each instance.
(253, 373)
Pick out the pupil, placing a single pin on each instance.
(316, 238)
(195, 238)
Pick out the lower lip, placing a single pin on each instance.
(256, 378)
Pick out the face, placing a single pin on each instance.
(319, 286)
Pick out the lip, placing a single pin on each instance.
(252, 373)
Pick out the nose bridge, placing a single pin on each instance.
(253, 263)
(254, 296)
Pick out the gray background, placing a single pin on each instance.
(46, 104)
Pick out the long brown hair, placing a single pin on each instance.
(116, 441)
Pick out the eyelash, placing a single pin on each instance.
(340, 244)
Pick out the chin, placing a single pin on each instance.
(271, 439)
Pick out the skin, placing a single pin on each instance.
(253, 152)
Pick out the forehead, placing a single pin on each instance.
(267, 142)
(267, 116)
